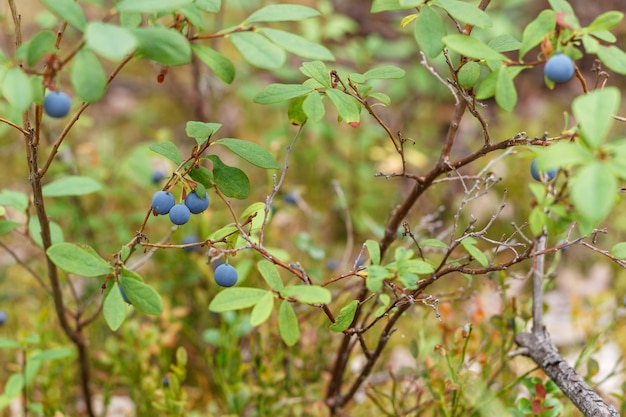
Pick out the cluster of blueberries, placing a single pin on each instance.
(163, 202)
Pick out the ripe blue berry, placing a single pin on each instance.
(559, 68)
(126, 300)
(166, 381)
(543, 176)
(195, 203)
(157, 176)
(162, 202)
(225, 275)
(3, 317)
(180, 214)
(57, 104)
(188, 239)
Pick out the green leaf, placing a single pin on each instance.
(465, 12)
(219, 63)
(429, 31)
(270, 275)
(110, 41)
(381, 97)
(276, 93)
(236, 298)
(56, 233)
(70, 186)
(472, 48)
(613, 57)
(201, 130)
(375, 276)
(142, 296)
(318, 71)
(78, 259)
(345, 317)
(40, 44)
(251, 152)
(563, 154)
(17, 89)
(231, 181)
(202, 176)
(295, 113)
(262, 310)
(593, 191)
(506, 94)
(150, 6)
(168, 150)
(298, 45)
(504, 43)
(165, 46)
(282, 13)
(594, 112)
(469, 74)
(433, 243)
(7, 225)
(69, 11)
(308, 294)
(487, 87)
(288, 324)
(387, 5)
(14, 199)
(606, 21)
(88, 77)
(257, 50)
(469, 245)
(347, 106)
(384, 72)
(536, 31)
(373, 248)
(313, 107)
(566, 8)
(619, 250)
(14, 385)
(9, 344)
(114, 308)
(210, 6)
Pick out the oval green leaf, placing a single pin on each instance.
(17, 89)
(150, 6)
(308, 294)
(282, 13)
(231, 181)
(347, 106)
(114, 308)
(429, 31)
(142, 296)
(288, 324)
(69, 11)
(165, 46)
(110, 41)
(236, 298)
(314, 107)
(593, 191)
(88, 77)
(257, 50)
(277, 93)
(262, 310)
(270, 274)
(345, 317)
(219, 63)
(79, 260)
(298, 45)
(251, 152)
(70, 186)
(472, 48)
(168, 150)
(594, 112)
(465, 12)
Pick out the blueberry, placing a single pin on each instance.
(291, 198)
(3, 317)
(541, 176)
(162, 202)
(559, 68)
(195, 203)
(188, 239)
(180, 214)
(166, 381)
(126, 300)
(157, 176)
(225, 275)
(57, 104)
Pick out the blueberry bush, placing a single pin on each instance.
(308, 208)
